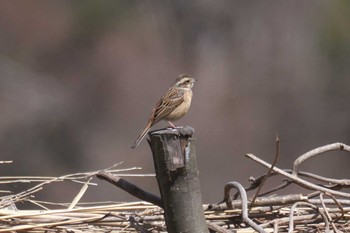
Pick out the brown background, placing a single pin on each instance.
(78, 80)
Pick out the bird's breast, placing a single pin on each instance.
(182, 109)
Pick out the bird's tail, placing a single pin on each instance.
(142, 134)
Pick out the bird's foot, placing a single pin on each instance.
(171, 124)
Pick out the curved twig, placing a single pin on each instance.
(291, 215)
(227, 199)
(320, 150)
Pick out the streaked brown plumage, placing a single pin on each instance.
(172, 106)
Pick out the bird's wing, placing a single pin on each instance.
(169, 101)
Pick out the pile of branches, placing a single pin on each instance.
(326, 208)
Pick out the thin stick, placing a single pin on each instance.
(6, 162)
(131, 188)
(329, 218)
(268, 173)
(297, 180)
(80, 194)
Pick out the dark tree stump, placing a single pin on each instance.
(177, 175)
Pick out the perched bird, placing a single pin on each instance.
(172, 106)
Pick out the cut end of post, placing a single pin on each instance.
(178, 131)
(174, 141)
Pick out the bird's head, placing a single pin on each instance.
(185, 81)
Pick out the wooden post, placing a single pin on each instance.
(177, 175)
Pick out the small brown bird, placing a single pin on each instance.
(172, 106)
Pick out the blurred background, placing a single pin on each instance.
(78, 80)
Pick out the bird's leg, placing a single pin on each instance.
(171, 124)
